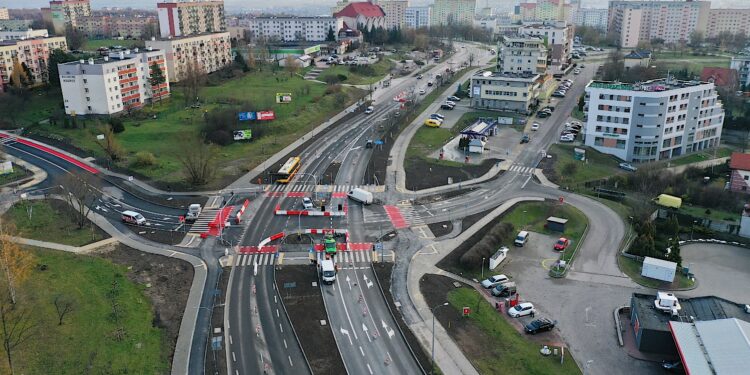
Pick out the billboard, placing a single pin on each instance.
(283, 97)
(245, 116)
(265, 115)
(311, 50)
(242, 135)
(6, 167)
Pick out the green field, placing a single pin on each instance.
(17, 174)
(86, 343)
(695, 64)
(632, 268)
(721, 152)
(93, 44)
(52, 222)
(597, 166)
(381, 68)
(162, 135)
(506, 350)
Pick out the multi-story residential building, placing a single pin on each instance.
(728, 20)
(445, 12)
(517, 92)
(672, 21)
(363, 13)
(592, 17)
(742, 65)
(115, 26)
(114, 83)
(559, 37)
(209, 53)
(4, 15)
(546, 10)
(34, 53)
(289, 29)
(64, 13)
(23, 34)
(416, 17)
(653, 120)
(184, 17)
(15, 25)
(522, 54)
(395, 13)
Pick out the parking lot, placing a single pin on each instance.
(720, 270)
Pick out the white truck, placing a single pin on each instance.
(360, 195)
(192, 214)
(328, 271)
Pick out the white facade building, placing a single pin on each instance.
(22, 35)
(522, 54)
(653, 120)
(395, 13)
(559, 36)
(210, 52)
(290, 29)
(115, 83)
(416, 17)
(592, 17)
(517, 92)
(742, 65)
(457, 12)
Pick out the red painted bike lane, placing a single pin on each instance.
(397, 219)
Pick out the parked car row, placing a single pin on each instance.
(450, 102)
(435, 120)
(563, 88)
(570, 132)
(545, 112)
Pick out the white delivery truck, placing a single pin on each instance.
(328, 271)
(360, 195)
(194, 210)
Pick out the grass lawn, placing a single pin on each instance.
(597, 166)
(50, 221)
(93, 44)
(255, 91)
(381, 68)
(695, 64)
(511, 352)
(632, 268)
(701, 156)
(577, 114)
(41, 105)
(85, 342)
(697, 211)
(17, 174)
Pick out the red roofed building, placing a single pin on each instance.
(360, 14)
(739, 163)
(721, 77)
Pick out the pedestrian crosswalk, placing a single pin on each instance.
(401, 215)
(201, 223)
(521, 169)
(411, 216)
(269, 259)
(290, 188)
(265, 259)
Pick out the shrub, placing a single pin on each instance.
(487, 245)
(117, 125)
(144, 159)
(331, 79)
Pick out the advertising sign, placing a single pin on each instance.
(476, 92)
(265, 115)
(312, 49)
(283, 97)
(6, 167)
(242, 135)
(245, 116)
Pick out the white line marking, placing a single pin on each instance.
(233, 357)
(277, 313)
(285, 347)
(526, 182)
(281, 328)
(290, 361)
(230, 340)
(369, 369)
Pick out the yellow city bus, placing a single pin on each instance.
(288, 170)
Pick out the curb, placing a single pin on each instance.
(294, 331)
(618, 324)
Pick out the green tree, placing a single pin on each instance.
(241, 63)
(155, 79)
(57, 56)
(331, 36)
(581, 102)
(75, 38)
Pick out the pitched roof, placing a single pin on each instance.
(719, 76)
(364, 8)
(740, 161)
(638, 54)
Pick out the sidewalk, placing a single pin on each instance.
(39, 174)
(56, 246)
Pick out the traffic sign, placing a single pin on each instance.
(467, 311)
(561, 199)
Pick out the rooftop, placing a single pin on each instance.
(508, 75)
(364, 8)
(114, 55)
(638, 54)
(740, 161)
(661, 84)
(693, 309)
(720, 345)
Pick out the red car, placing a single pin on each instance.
(562, 244)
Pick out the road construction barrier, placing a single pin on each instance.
(269, 239)
(309, 213)
(327, 231)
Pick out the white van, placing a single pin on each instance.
(132, 217)
(328, 271)
(360, 195)
(369, 110)
(522, 238)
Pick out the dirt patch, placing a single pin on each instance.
(167, 284)
(161, 236)
(216, 360)
(294, 239)
(304, 303)
(548, 168)
(423, 174)
(441, 197)
(383, 272)
(470, 220)
(331, 172)
(441, 228)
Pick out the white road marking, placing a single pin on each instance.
(349, 318)
(285, 347)
(362, 351)
(346, 332)
(290, 361)
(233, 357)
(277, 313)
(281, 328)
(230, 340)
(526, 182)
(369, 369)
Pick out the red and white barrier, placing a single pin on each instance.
(272, 238)
(309, 213)
(241, 211)
(327, 231)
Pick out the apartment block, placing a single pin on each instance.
(516, 92)
(4, 15)
(445, 12)
(416, 17)
(184, 18)
(210, 52)
(728, 20)
(23, 34)
(673, 21)
(34, 53)
(289, 29)
(546, 10)
(592, 17)
(559, 37)
(115, 26)
(64, 13)
(395, 13)
(653, 120)
(742, 65)
(15, 25)
(522, 54)
(112, 84)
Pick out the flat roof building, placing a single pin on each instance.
(559, 40)
(522, 54)
(289, 29)
(209, 53)
(34, 53)
(515, 92)
(182, 18)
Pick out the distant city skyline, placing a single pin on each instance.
(234, 5)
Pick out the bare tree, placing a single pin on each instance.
(471, 59)
(15, 262)
(194, 77)
(109, 143)
(197, 159)
(16, 327)
(290, 63)
(63, 307)
(81, 193)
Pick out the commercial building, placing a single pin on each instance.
(742, 65)
(653, 120)
(34, 53)
(416, 17)
(546, 10)
(395, 13)
(184, 18)
(4, 15)
(516, 92)
(209, 53)
(114, 83)
(289, 29)
(672, 21)
(364, 14)
(23, 34)
(450, 12)
(728, 20)
(592, 17)
(559, 37)
(64, 13)
(522, 54)
(106, 26)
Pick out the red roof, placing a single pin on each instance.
(740, 161)
(365, 8)
(719, 76)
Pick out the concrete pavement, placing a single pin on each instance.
(68, 248)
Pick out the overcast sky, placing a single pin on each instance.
(248, 4)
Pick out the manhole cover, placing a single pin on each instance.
(323, 322)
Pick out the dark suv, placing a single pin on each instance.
(539, 325)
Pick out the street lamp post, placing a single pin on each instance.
(432, 361)
(523, 222)
(483, 258)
